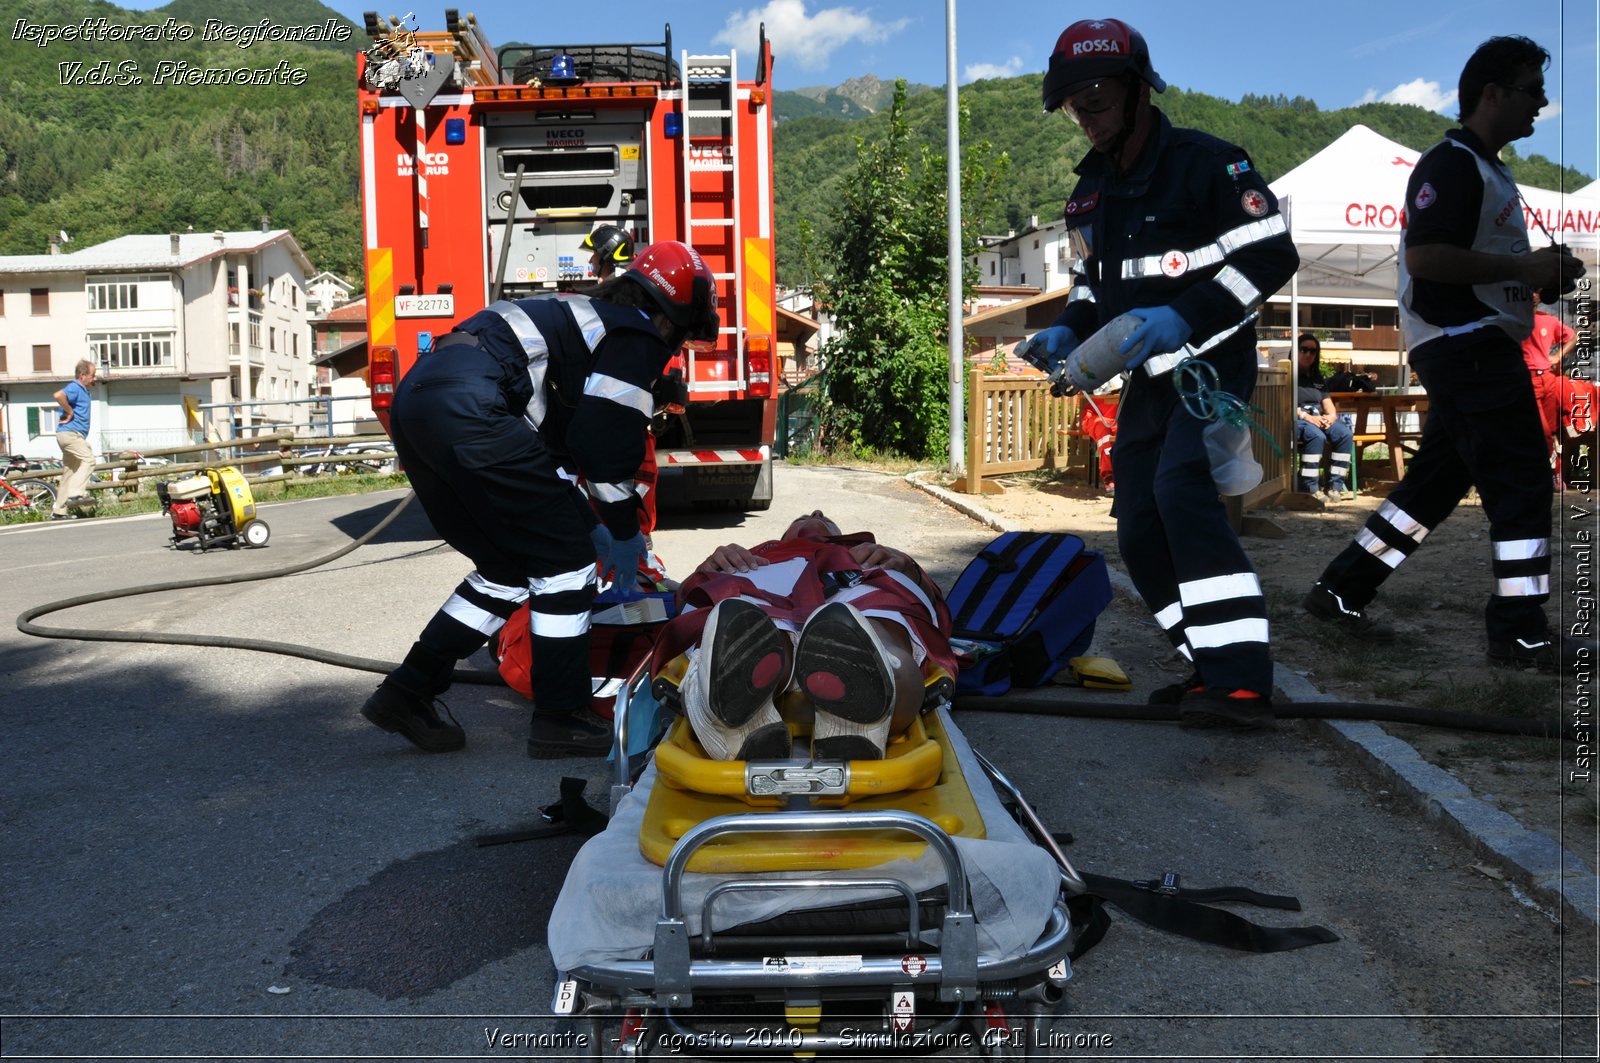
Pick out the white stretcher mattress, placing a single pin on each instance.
(611, 899)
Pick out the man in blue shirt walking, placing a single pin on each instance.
(73, 437)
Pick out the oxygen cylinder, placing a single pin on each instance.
(1099, 358)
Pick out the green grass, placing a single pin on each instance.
(860, 458)
(1502, 694)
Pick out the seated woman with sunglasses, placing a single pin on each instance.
(1319, 430)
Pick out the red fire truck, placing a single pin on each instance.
(484, 169)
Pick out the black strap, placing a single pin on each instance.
(1181, 913)
(571, 814)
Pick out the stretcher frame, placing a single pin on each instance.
(652, 996)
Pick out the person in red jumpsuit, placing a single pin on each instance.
(848, 623)
(1543, 351)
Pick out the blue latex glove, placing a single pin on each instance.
(1047, 350)
(1164, 331)
(617, 560)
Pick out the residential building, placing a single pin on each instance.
(339, 350)
(215, 322)
(327, 292)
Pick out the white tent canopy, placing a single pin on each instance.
(1346, 209)
(1344, 206)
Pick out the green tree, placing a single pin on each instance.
(887, 283)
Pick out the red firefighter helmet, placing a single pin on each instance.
(680, 282)
(1091, 49)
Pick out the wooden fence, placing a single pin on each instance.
(1014, 425)
(242, 454)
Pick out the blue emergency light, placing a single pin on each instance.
(455, 130)
(672, 124)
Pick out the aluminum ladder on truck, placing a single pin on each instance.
(709, 85)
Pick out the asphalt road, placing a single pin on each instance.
(208, 853)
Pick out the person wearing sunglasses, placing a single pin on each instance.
(1179, 230)
(1319, 431)
(1467, 280)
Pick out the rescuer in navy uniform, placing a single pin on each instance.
(495, 427)
(1177, 228)
(1466, 285)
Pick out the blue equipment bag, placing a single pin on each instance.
(1023, 608)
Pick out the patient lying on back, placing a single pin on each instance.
(850, 625)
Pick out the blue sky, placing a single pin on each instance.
(1336, 53)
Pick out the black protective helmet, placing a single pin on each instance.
(1092, 49)
(610, 243)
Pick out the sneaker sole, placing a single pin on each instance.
(842, 670)
(749, 652)
(740, 667)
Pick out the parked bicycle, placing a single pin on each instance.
(21, 497)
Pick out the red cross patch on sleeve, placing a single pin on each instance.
(1254, 203)
(1083, 204)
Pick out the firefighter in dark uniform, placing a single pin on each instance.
(1177, 228)
(1466, 285)
(608, 247)
(495, 427)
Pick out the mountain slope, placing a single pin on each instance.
(102, 160)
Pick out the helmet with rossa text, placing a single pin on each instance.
(683, 286)
(1091, 49)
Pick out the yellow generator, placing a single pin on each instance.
(214, 507)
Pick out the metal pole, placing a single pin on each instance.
(952, 136)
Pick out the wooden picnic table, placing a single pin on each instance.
(1392, 418)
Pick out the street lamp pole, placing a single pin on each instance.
(953, 221)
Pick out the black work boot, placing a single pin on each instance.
(1534, 654)
(1219, 709)
(1322, 603)
(397, 709)
(1173, 693)
(581, 734)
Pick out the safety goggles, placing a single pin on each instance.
(1092, 97)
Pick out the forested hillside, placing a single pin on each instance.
(814, 154)
(101, 160)
(161, 155)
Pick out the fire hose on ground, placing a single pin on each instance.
(1030, 704)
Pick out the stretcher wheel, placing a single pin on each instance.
(256, 533)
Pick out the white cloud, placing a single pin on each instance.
(1428, 94)
(808, 39)
(1418, 92)
(1008, 69)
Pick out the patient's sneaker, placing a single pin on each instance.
(847, 673)
(727, 693)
